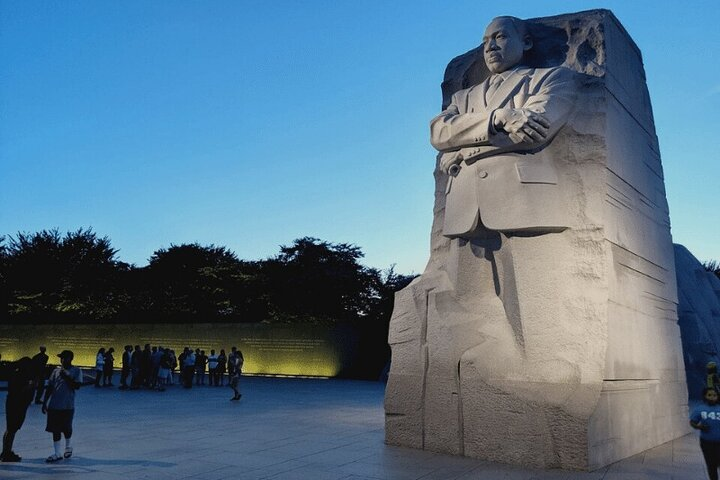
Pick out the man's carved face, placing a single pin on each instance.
(504, 45)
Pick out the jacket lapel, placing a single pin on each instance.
(475, 97)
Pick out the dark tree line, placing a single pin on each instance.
(46, 276)
(76, 277)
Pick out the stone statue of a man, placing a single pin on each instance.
(517, 109)
(503, 323)
(543, 330)
(501, 207)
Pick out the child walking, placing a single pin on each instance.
(706, 418)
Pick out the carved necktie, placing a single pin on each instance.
(495, 83)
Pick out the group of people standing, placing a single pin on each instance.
(154, 367)
(195, 363)
(104, 365)
(151, 367)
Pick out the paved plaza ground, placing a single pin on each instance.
(281, 429)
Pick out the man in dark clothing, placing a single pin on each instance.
(237, 360)
(157, 353)
(126, 365)
(135, 367)
(21, 386)
(181, 361)
(200, 362)
(231, 362)
(188, 367)
(109, 367)
(146, 365)
(40, 361)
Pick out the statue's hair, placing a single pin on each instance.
(519, 24)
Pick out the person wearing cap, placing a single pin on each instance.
(59, 404)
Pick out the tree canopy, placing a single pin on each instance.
(50, 277)
(320, 280)
(46, 274)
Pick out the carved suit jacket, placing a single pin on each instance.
(506, 186)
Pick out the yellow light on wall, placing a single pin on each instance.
(287, 350)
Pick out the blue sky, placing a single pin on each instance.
(251, 123)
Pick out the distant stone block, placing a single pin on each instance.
(699, 318)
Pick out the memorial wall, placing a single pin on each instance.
(295, 350)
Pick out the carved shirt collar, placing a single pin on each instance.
(506, 74)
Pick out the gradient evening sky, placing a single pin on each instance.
(251, 123)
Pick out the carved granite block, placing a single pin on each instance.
(543, 331)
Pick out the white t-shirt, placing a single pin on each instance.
(63, 395)
(212, 361)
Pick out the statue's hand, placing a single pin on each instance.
(521, 125)
(449, 159)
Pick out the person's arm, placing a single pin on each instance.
(75, 380)
(452, 130)
(544, 113)
(49, 390)
(700, 426)
(506, 129)
(695, 422)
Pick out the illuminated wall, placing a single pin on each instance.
(268, 349)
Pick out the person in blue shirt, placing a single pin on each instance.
(59, 404)
(706, 418)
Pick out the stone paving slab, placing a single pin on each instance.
(282, 429)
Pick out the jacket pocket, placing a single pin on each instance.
(536, 171)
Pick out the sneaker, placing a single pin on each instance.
(10, 457)
(53, 458)
(68, 452)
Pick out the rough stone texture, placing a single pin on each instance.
(699, 317)
(575, 362)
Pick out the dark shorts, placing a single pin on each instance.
(15, 411)
(59, 421)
